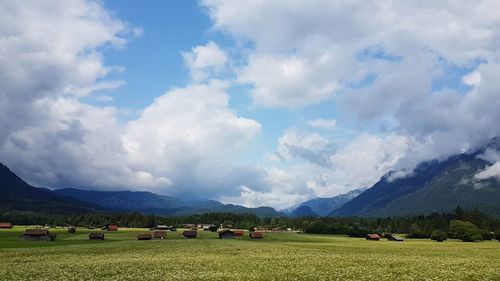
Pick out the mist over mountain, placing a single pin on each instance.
(466, 180)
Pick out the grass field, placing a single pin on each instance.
(280, 256)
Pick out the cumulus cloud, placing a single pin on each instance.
(205, 60)
(323, 123)
(181, 143)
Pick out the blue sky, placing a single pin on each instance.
(254, 103)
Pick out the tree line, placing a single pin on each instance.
(469, 225)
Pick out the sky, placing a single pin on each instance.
(258, 103)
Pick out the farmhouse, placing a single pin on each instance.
(373, 236)
(159, 234)
(38, 235)
(238, 233)
(5, 225)
(226, 234)
(190, 233)
(391, 237)
(96, 235)
(144, 236)
(256, 235)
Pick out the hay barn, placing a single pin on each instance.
(144, 236)
(226, 234)
(391, 237)
(112, 227)
(373, 237)
(159, 234)
(5, 225)
(96, 235)
(38, 235)
(190, 233)
(256, 235)
(238, 233)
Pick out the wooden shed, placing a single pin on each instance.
(112, 227)
(256, 235)
(190, 233)
(96, 235)
(38, 234)
(373, 236)
(391, 237)
(144, 236)
(226, 234)
(5, 225)
(159, 234)
(238, 233)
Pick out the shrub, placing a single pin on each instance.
(439, 235)
(486, 234)
(464, 230)
(497, 235)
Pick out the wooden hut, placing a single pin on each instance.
(256, 235)
(159, 234)
(5, 225)
(391, 237)
(71, 229)
(38, 234)
(190, 233)
(226, 234)
(144, 236)
(96, 235)
(112, 227)
(373, 237)
(238, 233)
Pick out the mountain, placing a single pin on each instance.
(17, 195)
(303, 211)
(434, 186)
(325, 206)
(152, 203)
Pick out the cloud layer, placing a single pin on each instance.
(404, 81)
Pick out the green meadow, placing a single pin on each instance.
(279, 256)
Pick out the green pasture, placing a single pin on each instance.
(279, 256)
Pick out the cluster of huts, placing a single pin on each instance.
(159, 232)
(389, 236)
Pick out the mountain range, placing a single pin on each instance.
(17, 195)
(433, 186)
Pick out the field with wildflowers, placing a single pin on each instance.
(280, 256)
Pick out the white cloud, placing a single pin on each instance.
(492, 171)
(323, 123)
(205, 61)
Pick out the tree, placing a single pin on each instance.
(497, 235)
(439, 236)
(464, 230)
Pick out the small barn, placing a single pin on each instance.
(5, 225)
(391, 237)
(38, 234)
(226, 234)
(373, 237)
(190, 233)
(112, 227)
(144, 236)
(256, 235)
(238, 233)
(96, 235)
(159, 234)
(71, 229)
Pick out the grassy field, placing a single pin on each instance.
(280, 256)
